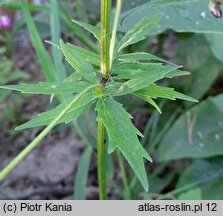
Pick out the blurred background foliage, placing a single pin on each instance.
(186, 140)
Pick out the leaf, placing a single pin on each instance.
(78, 63)
(82, 173)
(201, 171)
(194, 194)
(76, 29)
(203, 74)
(137, 32)
(88, 56)
(197, 133)
(18, 5)
(149, 100)
(140, 76)
(78, 108)
(49, 88)
(139, 56)
(92, 29)
(123, 135)
(187, 16)
(154, 91)
(213, 190)
(216, 45)
(55, 36)
(44, 59)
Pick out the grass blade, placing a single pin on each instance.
(44, 59)
(55, 35)
(82, 174)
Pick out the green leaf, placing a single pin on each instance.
(49, 88)
(216, 45)
(78, 108)
(78, 63)
(76, 30)
(88, 56)
(203, 74)
(18, 6)
(187, 16)
(140, 76)
(82, 173)
(44, 59)
(55, 36)
(139, 56)
(149, 100)
(94, 30)
(123, 135)
(137, 32)
(197, 133)
(201, 171)
(194, 194)
(213, 190)
(154, 91)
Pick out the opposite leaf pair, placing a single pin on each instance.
(134, 73)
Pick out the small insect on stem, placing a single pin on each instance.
(215, 8)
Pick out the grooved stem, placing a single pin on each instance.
(105, 64)
(105, 36)
(102, 161)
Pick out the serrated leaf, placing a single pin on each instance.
(129, 70)
(137, 32)
(78, 63)
(49, 88)
(123, 135)
(92, 29)
(78, 108)
(154, 91)
(149, 100)
(88, 56)
(139, 56)
(139, 76)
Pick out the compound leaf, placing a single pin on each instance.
(82, 103)
(154, 91)
(92, 29)
(123, 135)
(137, 32)
(139, 76)
(49, 88)
(78, 63)
(139, 56)
(88, 56)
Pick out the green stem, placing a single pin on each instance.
(114, 30)
(105, 46)
(34, 143)
(105, 36)
(101, 161)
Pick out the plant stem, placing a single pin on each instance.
(101, 161)
(105, 62)
(105, 36)
(114, 30)
(34, 143)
